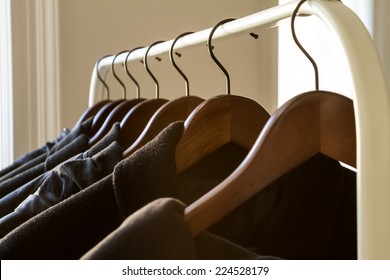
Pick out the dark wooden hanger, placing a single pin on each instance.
(101, 116)
(136, 120)
(118, 112)
(311, 123)
(94, 109)
(98, 123)
(138, 117)
(174, 110)
(91, 111)
(171, 111)
(217, 121)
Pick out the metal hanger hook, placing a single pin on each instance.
(294, 15)
(147, 67)
(210, 48)
(116, 76)
(100, 78)
(174, 63)
(131, 76)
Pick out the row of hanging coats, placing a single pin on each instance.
(189, 179)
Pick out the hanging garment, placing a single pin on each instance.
(33, 154)
(80, 222)
(151, 174)
(65, 180)
(309, 213)
(79, 145)
(11, 201)
(158, 232)
(74, 143)
(69, 138)
(68, 229)
(324, 189)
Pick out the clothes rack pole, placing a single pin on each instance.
(371, 104)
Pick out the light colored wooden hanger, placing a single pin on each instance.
(137, 118)
(174, 110)
(313, 122)
(217, 121)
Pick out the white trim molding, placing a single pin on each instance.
(6, 89)
(47, 69)
(35, 64)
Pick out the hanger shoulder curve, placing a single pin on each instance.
(101, 116)
(91, 111)
(136, 119)
(306, 125)
(217, 121)
(174, 110)
(116, 115)
(338, 139)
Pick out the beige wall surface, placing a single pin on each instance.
(24, 80)
(90, 29)
(381, 33)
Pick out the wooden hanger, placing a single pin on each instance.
(217, 121)
(138, 117)
(101, 116)
(172, 111)
(93, 110)
(118, 112)
(311, 123)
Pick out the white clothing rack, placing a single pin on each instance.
(371, 103)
